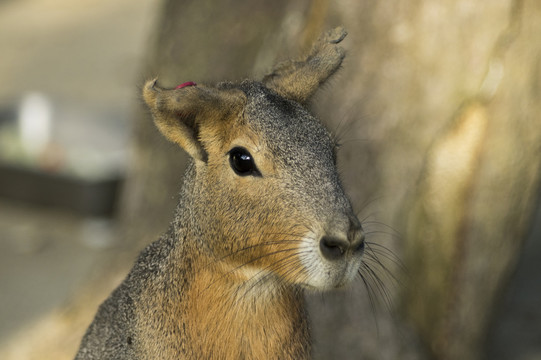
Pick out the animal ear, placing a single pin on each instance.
(299, 79)
(184, 113)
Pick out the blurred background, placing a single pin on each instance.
(70, 74)
(437, 109)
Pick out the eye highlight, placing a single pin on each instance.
(242, 162)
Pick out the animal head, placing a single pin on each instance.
(269, 202)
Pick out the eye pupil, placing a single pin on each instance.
(242, 162)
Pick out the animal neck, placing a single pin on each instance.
(239, 318)
(233, 312)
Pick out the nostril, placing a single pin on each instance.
(333, 248)
(358, 246)
(356, 236)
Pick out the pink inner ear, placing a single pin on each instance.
(189, 83)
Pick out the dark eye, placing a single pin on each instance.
(242, 162)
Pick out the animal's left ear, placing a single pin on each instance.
(192, 116)
(299, 79)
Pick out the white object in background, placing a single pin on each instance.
(35, 123)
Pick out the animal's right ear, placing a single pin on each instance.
(181, 114)
(299, 79)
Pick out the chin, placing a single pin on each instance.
(329, 279)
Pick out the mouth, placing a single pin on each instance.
(331, 279)
(324, 267)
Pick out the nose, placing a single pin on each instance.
(334, 247)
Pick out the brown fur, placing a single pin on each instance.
(227, 280)
(299, 79)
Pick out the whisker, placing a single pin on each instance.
(366, 204)
(388, 274)
(379, 223)
(373, 258)
(254, 246)
(379, 285)
(371, 299)
(248, 263)
(337, 133)
(347, 141)
(297, 234)
(378, 234)
(375, 249)
(348, 119)
(272, 268)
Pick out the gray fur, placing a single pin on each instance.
(148, 315)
